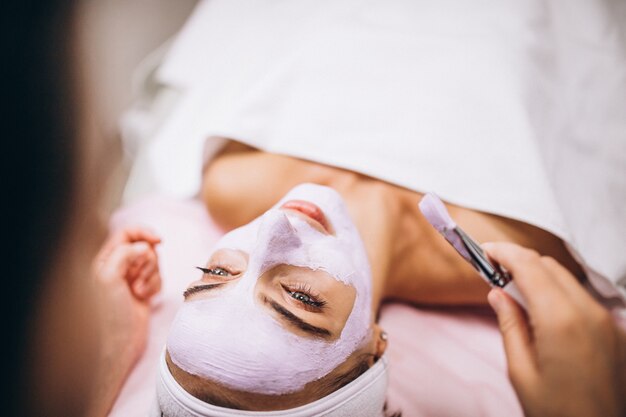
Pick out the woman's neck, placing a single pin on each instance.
(410, 261)
(376, 211)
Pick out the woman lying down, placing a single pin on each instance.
(284, 316)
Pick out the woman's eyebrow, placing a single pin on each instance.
(200, 288)
(297, 321)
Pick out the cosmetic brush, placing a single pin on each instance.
(437, 215)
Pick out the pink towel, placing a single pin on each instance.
(444, 362)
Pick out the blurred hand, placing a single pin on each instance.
(126, 274)
(566, 355)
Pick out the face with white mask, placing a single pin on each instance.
(283, 307)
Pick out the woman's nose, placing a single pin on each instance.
(277, 233)
(276, 238)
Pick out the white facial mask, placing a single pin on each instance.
(233, 340)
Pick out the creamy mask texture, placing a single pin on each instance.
(233, 340)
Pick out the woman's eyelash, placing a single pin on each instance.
(304, 294)
(218, 271)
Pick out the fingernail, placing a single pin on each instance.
(486, 245)
(495, 299)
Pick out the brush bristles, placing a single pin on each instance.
(436, 213)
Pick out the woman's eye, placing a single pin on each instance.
(220, 271)
(301, 297)
(304, 298)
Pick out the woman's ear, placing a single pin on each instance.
(380, 341)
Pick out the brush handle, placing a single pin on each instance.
(513, 291)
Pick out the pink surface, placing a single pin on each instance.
(442, 362)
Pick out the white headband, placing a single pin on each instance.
(365, 396)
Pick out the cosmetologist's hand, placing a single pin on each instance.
(126, 275)
(566, 355)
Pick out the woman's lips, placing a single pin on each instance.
(310, 210)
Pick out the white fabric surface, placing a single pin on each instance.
(514, 108)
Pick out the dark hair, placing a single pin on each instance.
(40, 158)
(345, 378)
